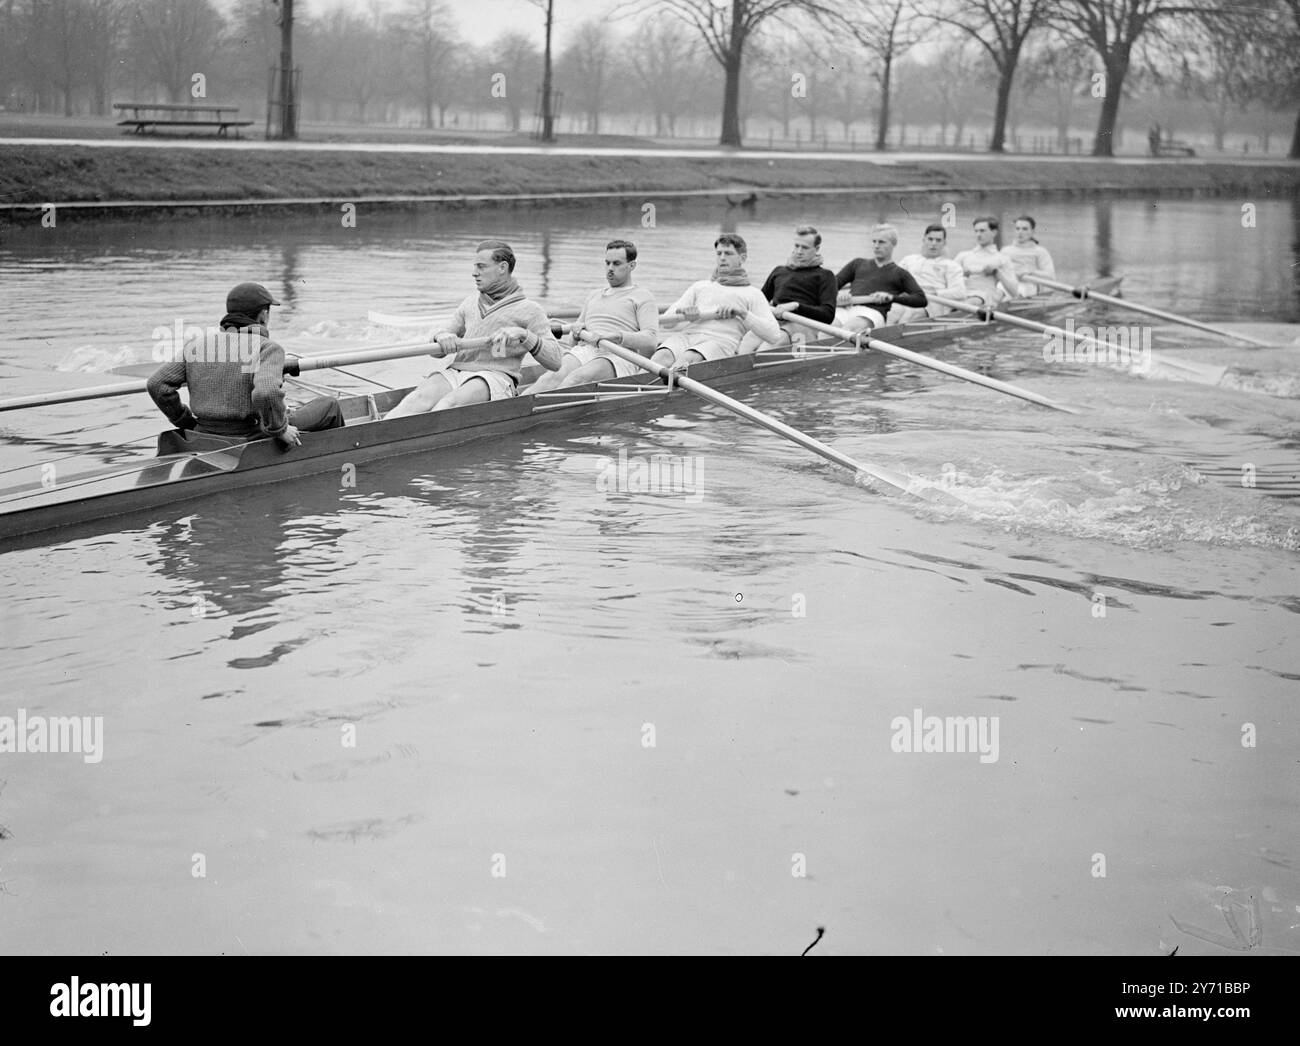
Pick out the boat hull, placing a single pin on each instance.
(189, 467)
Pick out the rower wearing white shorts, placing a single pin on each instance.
(621, 312)
(1028, 256)
(988, 272)
(721, 311)
(878, 283)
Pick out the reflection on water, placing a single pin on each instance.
(1104, 211)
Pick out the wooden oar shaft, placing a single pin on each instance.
(889, 476)
(342, 359)
(122, 388)
(375, 355)
(1018, 321)
(1149, 310)
(927, 361)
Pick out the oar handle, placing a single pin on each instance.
(1044, 280)
(705, 314)
(376, 355)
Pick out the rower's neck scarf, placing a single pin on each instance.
(814, 261)
(734, 278)
(240, 321)
(490, 296)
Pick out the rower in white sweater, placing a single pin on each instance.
(730, 308)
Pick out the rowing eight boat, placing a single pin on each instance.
(191, 465)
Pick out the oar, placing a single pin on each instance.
(1203, 373)
(899, 480)
(295, 366)
(927, 361)
(1125, 303)
(388, 319)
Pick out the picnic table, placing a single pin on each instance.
(161, 114)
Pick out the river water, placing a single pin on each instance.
(482, 703)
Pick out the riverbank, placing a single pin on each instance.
(107, 178)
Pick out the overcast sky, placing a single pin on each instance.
(480, 20)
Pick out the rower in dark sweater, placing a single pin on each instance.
(801, 287)
(869, 286)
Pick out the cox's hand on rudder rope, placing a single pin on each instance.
(289, 437)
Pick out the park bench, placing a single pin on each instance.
(146, 115)
(1170, 147)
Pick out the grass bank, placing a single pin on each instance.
(33, 175)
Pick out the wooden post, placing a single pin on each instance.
(288, 104)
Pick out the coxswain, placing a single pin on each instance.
(236, 380)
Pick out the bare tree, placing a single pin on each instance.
(548, 82)
(1001, 28)
(515, 52)
(955, 70)
(422, 27)
(174, 39)
(728, 27)
(1060, 72)
(1275, 54)
(888, 29)
(1113, 28)
(587, 61)
(664, 62)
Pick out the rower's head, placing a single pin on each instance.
(806, 241)
(731, 251)
(494, 261)
(934, 240)
(884, 238)
(1025, 227)
(986, 230)
(251, 300)
(620, 260)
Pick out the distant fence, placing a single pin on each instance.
(902, 139)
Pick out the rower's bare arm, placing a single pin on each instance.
(646, 338)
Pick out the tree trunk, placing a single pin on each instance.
(1006, 77)
(731, 102)
(1104, 142)
(288, 103)
(1294, 154)
(548, 117)
(882, 126)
